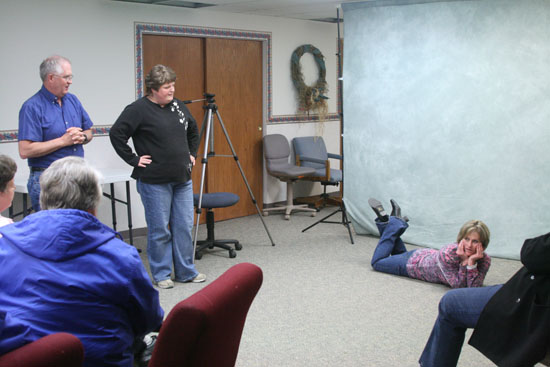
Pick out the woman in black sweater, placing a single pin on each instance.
(165, 137)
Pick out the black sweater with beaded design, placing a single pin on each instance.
(168, 134)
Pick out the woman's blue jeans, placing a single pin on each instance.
(169, 216)
(459, 309)
(390, 255)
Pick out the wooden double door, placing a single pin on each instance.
(232, 70)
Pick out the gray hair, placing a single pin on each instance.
(7, 171)
(70, 183)
(158, 76)
(52, 65)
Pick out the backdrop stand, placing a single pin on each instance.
(345, 221)
(342, 207)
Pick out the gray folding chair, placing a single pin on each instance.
(311, 152)
(277, 155)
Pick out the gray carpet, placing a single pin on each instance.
(321, 304)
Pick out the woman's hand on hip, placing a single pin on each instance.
(144, 160)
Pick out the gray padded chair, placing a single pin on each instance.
(277, 155)
(311, 152)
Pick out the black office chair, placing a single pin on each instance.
(210, 201)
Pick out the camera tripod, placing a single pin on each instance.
(207, 131)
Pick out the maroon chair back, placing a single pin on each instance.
(205, 329)
(59, 350)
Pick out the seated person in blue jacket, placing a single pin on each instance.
(458, 265)
(62, 270)
(511, 322)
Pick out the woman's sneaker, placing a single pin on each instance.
(165, 284)
(199, 278)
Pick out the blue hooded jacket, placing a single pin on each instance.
(63, 270)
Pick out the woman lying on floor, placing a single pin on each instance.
(458, 265)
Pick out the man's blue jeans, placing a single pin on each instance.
(390, 255)
(169, 216)
(459, 309)
(33, 187)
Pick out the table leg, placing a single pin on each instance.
(113, 209)
(129, 208)
(25, 212)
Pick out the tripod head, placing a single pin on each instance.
(208, 97)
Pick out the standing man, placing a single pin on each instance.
(52, 123)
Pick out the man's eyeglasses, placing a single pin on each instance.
(68, 78)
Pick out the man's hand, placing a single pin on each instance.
(76, 135)
(144, 160)
(34, 149)
(192, 159)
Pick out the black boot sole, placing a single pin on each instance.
(378, 209)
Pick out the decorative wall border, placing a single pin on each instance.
(10, 136)
(7, 136)
(101, 130)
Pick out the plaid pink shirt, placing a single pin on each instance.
(443, 266)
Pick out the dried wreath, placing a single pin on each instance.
(310, 98)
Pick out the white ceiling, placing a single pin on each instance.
(298, 9)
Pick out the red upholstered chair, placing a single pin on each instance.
(59, 350)
(205, 329)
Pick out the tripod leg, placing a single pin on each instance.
(346, 221)
(206, 124)
(243, 176)
(321, 220)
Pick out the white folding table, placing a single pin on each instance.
(111, 176)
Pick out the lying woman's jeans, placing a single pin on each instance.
(390, 255)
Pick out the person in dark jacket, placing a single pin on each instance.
(62, 270)
(166, 140)
(511, 322)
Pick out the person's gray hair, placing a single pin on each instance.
(52, 65)
(7, 171)
(158, 76)
(70, 183)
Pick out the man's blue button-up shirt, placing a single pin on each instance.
(41, 118)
